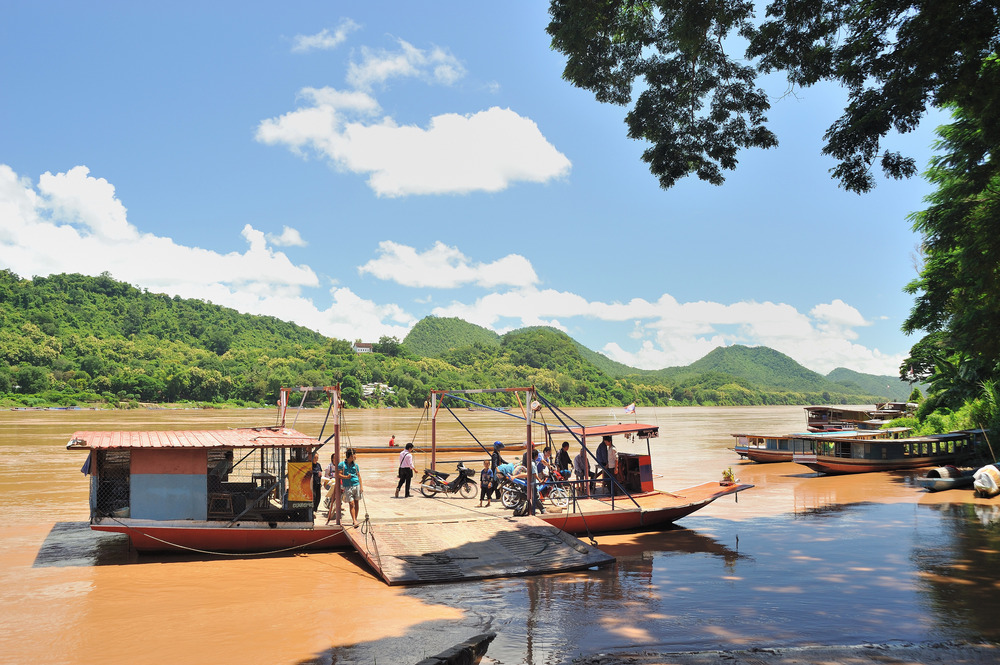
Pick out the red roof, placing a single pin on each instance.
(242, 437)
(643, 431)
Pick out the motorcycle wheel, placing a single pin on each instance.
(428, 487)
(558, 497)
(509, 497)
(468, 490)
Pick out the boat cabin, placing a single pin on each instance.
(634, 471)
(257, 474)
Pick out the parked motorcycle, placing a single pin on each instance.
(434, 482)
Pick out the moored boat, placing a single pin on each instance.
(840, 418)
(838, 455)
(780, 448)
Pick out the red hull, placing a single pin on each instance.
(210, 539)
(656, 509)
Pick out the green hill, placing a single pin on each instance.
(433, 337)
(891, 388)
(71, 339)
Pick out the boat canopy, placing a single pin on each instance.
(241, 437)
(640, 430)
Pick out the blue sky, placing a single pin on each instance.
(354, 167)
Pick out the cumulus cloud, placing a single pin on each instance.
(324, 40)
(452, 153)
(73, 222)
(445, 267)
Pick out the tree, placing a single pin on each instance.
(698, 106)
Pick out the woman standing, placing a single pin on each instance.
(406, 470)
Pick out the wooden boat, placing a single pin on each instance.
(947, 477)
(836, 455)
(160, 489)
(839, 418)
(780, 448)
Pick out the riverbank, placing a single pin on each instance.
(952, 653)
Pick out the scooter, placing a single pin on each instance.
(434, 482)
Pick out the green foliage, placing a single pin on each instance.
(698, 106)
(73, 339)
(432, 337)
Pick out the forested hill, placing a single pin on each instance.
(73, 339)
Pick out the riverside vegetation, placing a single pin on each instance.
(72, 339)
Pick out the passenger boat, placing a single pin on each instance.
(780, 448)
(633, 502)
(838, 455)
(839, 418)
(207, 491)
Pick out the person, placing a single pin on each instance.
(581, 469)
(392, 441)
(505, 470)
(350, 483)
(406, 470)
(317, 480)
(496, 459)
(485, 483)
(330, 480)
(223, 467)
(563, 461)
(602, 461)
(612, 464)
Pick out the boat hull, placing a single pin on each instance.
(845, 465)
(655, 509)
(216, 537)
(764, 456)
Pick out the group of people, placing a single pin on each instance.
(562, 467)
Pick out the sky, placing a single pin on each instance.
(355, 167)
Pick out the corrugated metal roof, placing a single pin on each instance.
(644, 431)
(242, 437)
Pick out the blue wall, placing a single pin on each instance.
(169, 496)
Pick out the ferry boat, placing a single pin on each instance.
(208, 491)
(780, 448)
(633, 502)
(838, 455)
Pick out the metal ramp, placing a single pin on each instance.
(457, 550)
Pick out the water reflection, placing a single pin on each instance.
(863, 572)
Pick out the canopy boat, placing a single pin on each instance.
(781, 448)
(837, 455)
(631, 502)
(839, 418)
(237, 490)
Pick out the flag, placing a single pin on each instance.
(630, 408)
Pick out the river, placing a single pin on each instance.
(798, 560)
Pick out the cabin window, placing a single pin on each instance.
(906, 450)
(113, 473)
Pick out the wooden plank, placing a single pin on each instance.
(466, 549)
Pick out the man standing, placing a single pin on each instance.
(602, 462)
(350, 483)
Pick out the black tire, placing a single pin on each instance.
(429, 487)
(558, 497)
(510, 497)
(469, 489)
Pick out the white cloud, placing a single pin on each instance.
(324, 40)
(379, 65)
(289, 238)
(453, 153)
(445, 267)
(73, 222)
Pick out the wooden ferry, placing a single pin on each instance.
(837, 455)
(781, 448)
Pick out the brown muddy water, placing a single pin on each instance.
(798, 560)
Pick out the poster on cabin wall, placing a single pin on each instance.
(299, 481)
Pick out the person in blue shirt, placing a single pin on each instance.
(351, 488)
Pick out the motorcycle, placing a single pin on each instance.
(435, 482)
(553, 489)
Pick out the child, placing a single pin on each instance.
(485, 483)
